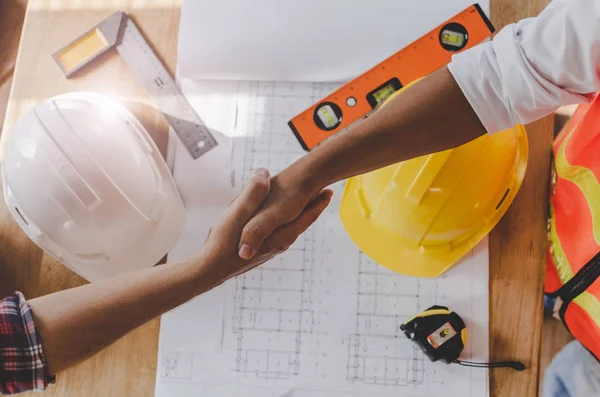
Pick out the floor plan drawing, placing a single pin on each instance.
(177, 365)
(376, 352)
(272, 312)
(322, 319)
(273, 306)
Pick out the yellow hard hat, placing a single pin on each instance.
(421, 216)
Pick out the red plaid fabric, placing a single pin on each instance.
(22, 362)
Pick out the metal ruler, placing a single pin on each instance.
(118, 31)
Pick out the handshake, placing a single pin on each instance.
(264, 220)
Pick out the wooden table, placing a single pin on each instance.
(128, 368)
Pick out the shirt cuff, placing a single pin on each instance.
(502, 85)
(477, 76)
(23, 366)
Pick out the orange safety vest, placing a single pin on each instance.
(573, 260)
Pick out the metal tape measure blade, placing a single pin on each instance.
(140, 58)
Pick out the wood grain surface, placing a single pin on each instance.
(517, 250)
(128, 368)
(12, 14)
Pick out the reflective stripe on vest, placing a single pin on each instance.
(574, 222)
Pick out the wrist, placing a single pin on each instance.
(311, 172)
(207, 274)
(329, 162)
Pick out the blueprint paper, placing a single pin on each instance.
(301, 41)
(321, 320)
(205, 189)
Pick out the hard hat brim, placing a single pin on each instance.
(382, 248)
(414, 259)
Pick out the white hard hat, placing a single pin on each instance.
(86, 182)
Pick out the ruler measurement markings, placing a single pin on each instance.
(119, 31)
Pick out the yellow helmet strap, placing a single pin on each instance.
(442, 334)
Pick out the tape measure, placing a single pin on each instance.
(363, 94)
(119, 31)
(442, 335)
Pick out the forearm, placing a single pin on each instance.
(523, 74)
(77, 323)
(430, 116)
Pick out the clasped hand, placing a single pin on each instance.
(221, 247)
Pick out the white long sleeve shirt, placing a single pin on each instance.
(533, 67)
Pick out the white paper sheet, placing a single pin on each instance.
(321, 320)
(305, 40)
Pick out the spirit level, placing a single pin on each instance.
(363, 94)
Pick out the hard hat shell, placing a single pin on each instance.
(86, 182)
(420, 216)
